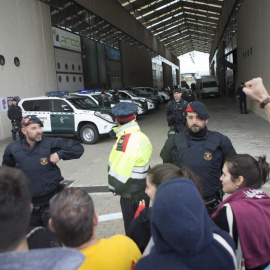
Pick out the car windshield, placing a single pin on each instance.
(83, 103)
(132, 94)
(210, 84)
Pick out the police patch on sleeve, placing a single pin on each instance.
(122, 143)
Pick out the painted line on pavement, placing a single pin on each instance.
(108, 217)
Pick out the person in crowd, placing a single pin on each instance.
(15, 211)
(115, 96)
(37, 156)
(246, 213)
(139, 228)
(15, 116)
(103, 101)
(128, 161)
(175, 111)
(240, 94)
(184, 235)
(74, 219)
(188, 95)
(256, 90)
(202, 151)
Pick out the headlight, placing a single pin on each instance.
(104, 116)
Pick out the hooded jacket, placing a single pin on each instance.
(183, 233)
(45, 259)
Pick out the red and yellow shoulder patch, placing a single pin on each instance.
(122, 143)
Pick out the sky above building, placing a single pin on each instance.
(194, 62)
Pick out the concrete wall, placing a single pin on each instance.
(26, 33)
(253, 45)
(137, 66)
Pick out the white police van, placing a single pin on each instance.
(71, 115)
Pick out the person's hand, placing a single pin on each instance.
(142, 202)
(54, 158)
(256, 90)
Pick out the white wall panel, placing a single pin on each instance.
(69, 69)
(254, 45)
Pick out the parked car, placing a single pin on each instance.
(142, 106)
(128, 95)
(143, 93)
(165, 97)
(70, 115)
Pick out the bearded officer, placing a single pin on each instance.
(37, 156)
(202, 151)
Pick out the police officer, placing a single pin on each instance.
(37, 156)
(129, 161)
(241, 95)
(201, 150)
(15, 115)
(115, 96)
(175, 111)
(188, 95)
(103, 101)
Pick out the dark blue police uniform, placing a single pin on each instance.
(35, 162)
(203, 153)
(176, 116)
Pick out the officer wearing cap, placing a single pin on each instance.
(15, 116)
(37, 156)
(128, 161)
(201, 150)
(175, 111)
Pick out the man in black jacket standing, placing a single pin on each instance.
(15, 115)
(242, 98)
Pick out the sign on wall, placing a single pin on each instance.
(66, 40)
(114, 54)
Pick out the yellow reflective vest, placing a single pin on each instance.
(129, 159)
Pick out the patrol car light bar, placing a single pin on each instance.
(57, 94)
(90, 91)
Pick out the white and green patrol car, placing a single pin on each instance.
(73, 115)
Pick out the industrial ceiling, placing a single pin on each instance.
(182, 26)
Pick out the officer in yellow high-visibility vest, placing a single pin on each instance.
(129, 161)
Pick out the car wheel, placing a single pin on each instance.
(89, 134)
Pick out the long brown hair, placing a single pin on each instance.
(167, 171)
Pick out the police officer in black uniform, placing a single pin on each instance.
(103, 101)
(175, 111)
(37, 156)
(15, 116)
(202, 151)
